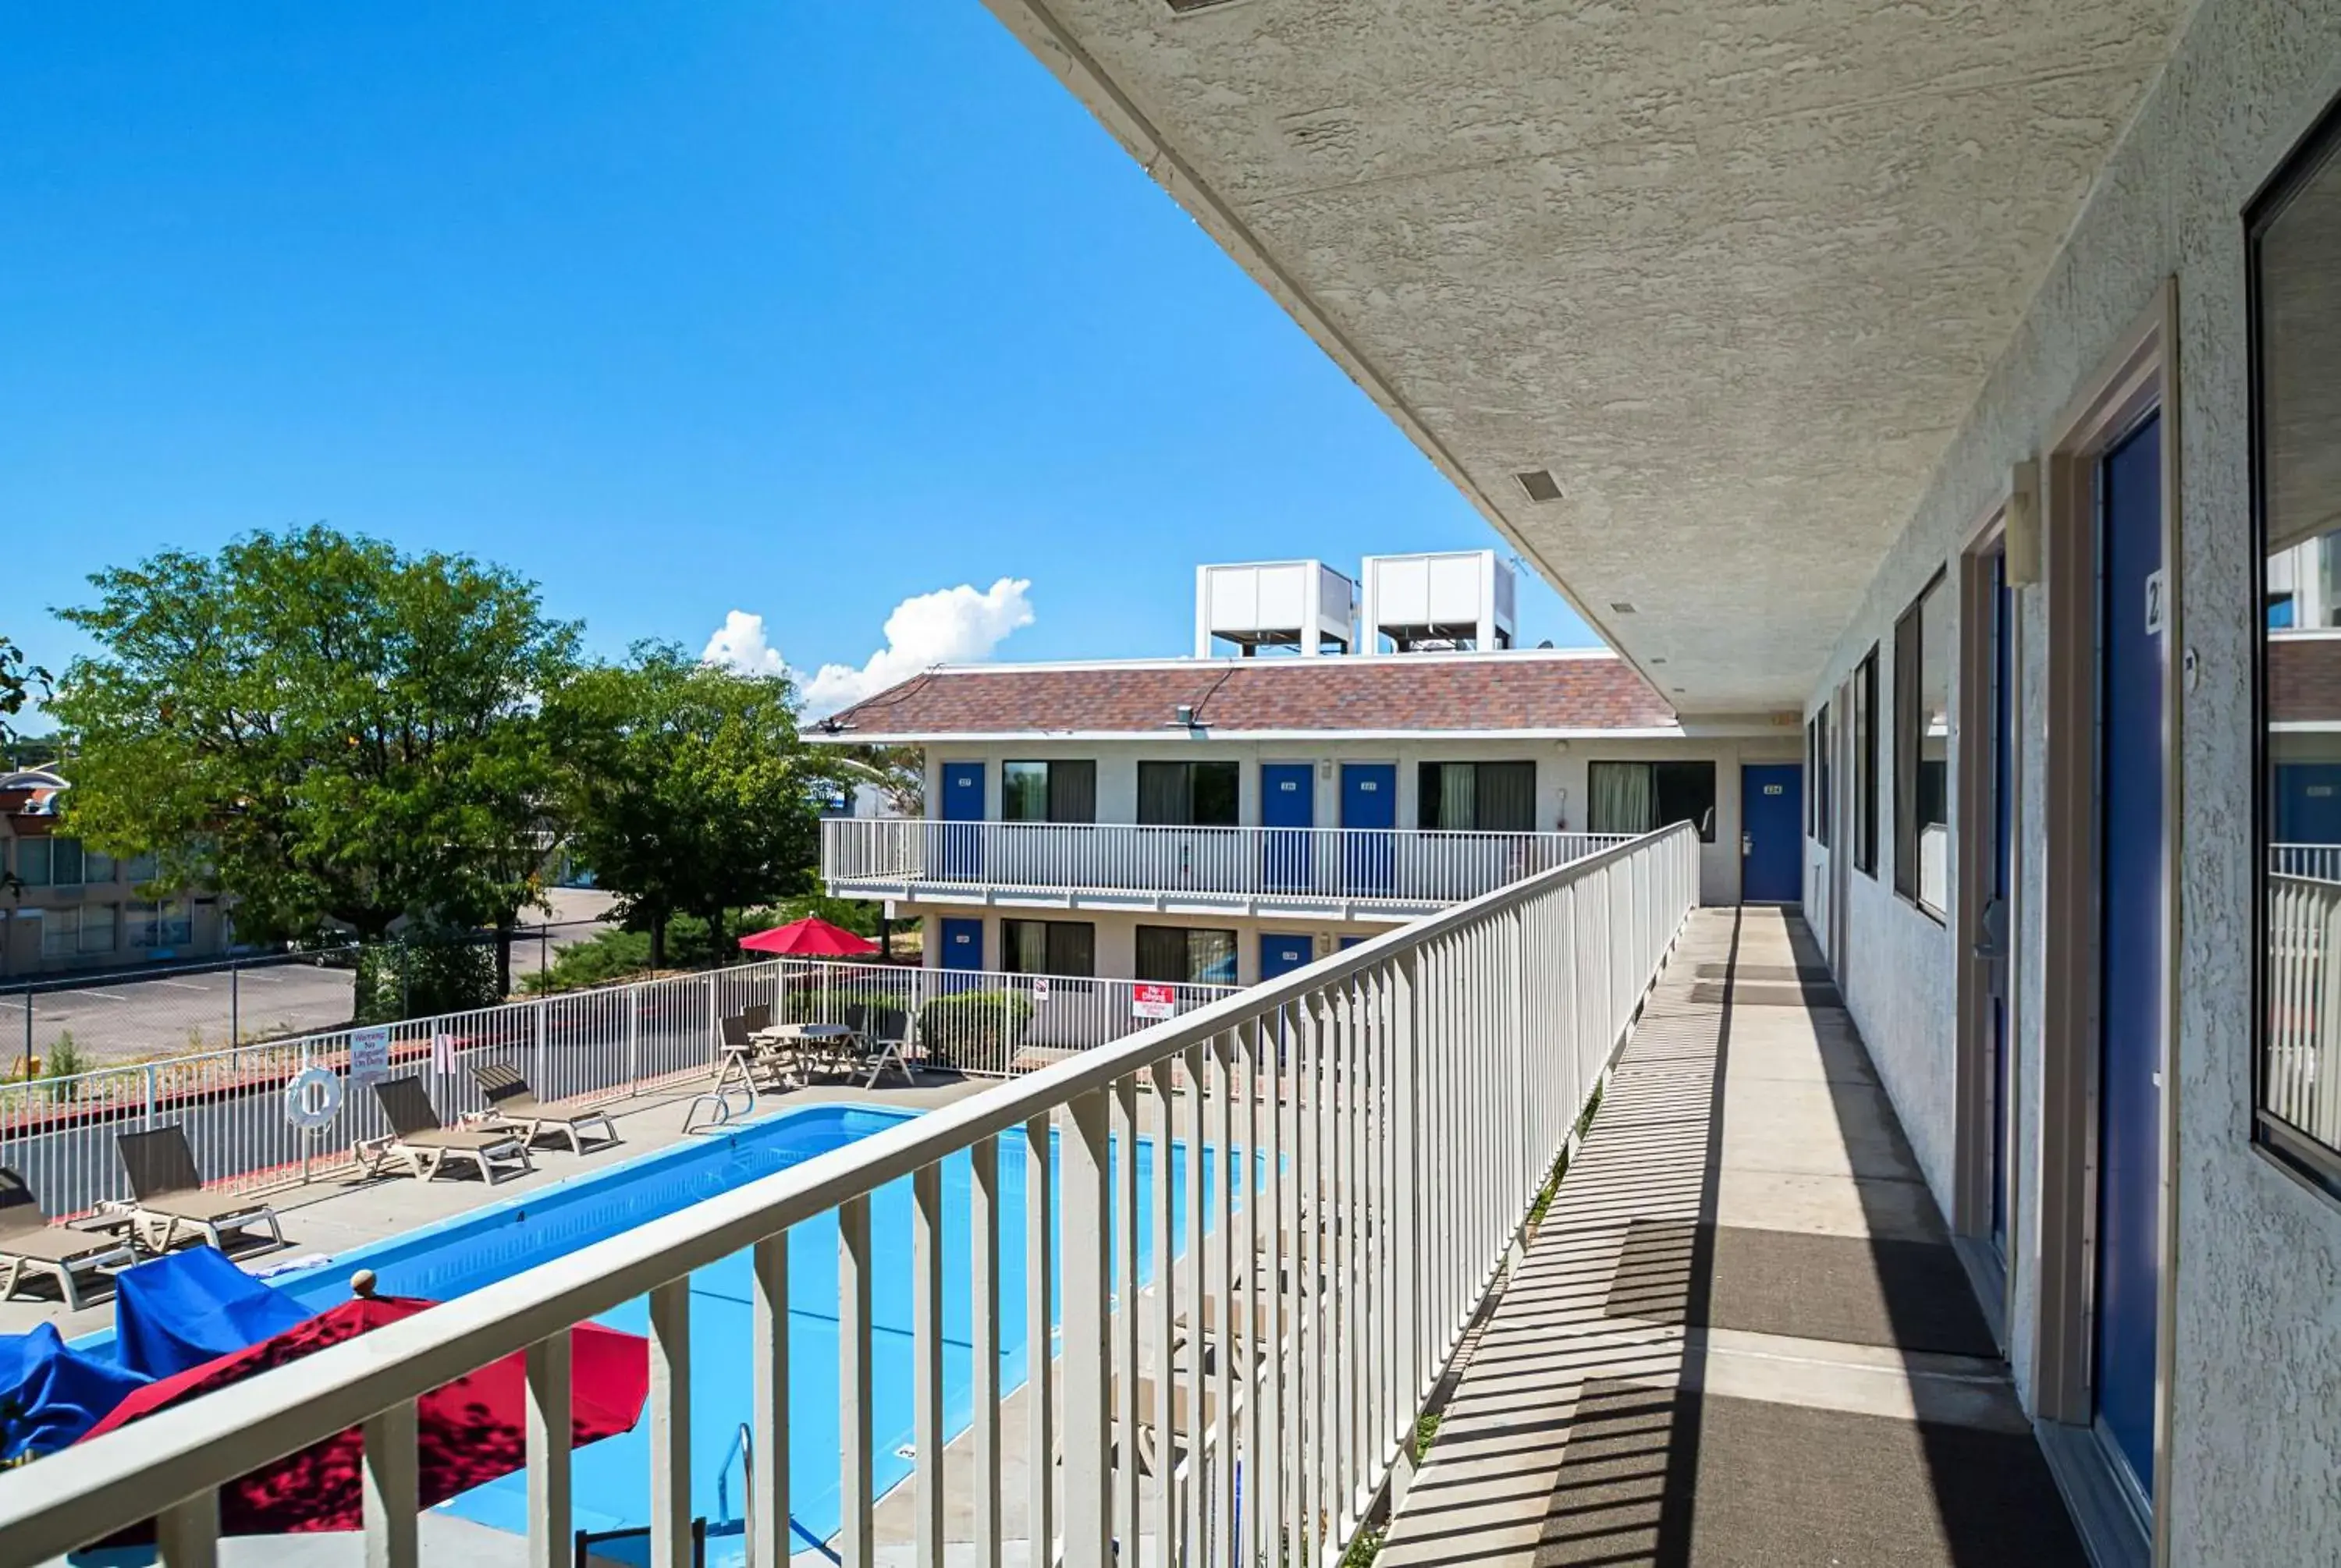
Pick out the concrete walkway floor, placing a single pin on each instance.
(1740, 1335)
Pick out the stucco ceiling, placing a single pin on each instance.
(1733, 273)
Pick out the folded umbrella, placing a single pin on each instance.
(468, 1432)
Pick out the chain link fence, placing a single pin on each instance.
(66, 1023)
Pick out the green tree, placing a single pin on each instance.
(897, 772)
(18, 681)
(689, 788)
(321, 728)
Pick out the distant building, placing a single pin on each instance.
(1227, 819)
(69, 906)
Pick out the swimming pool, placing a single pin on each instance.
(612, 1477)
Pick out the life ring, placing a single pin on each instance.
(313, 1097)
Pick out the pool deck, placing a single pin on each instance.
(328, 1217)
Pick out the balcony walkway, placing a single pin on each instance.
(1740, 1335)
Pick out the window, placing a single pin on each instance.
(1048, 791)
(99, 923)
(1865, 764)
(1922, 739)
(167, 923)
(139, 868)
(1477, 796)
(96, 866)
(1188, 794)
(50, 862)
(1186, 955)
(2296, 360)
(1822, 774)
(1641, 796)
(60, 933)
(1048, 948)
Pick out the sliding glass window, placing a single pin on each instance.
(1866, 741)
(1048, 791)
(1922, 739)
(1641, 796)
(1477, 796)
(1049, 948)
(1189, 794)
(2295, 237)
(1185, 955)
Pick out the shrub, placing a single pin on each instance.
(966, 1024)
(422, 975)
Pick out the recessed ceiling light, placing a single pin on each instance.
(1678, 691)
(1539, 484)
(1657, 662)
(1621, 607)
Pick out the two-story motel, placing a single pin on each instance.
(1226, 819)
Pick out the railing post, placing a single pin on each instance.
(1406, 981)
(634, 1040)
(536, 1075)
(714, 1019)
(148, 1118)
(1087, 1443)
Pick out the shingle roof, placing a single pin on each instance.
(1424, 692)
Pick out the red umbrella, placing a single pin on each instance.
(468, 1432)
(810, 938)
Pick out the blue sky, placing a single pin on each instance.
(790, 310)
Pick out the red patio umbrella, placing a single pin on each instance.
(468, 1432)
(810, 938)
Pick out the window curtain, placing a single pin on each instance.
(1072, 792)
(1622, 800)
(1505, 797)
(1072, 948)
(1458, 802)
(1162, 794)
(1161, 953)
(1024, 947)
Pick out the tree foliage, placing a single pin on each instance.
(691, 790)
(18, 682)
(321, 728)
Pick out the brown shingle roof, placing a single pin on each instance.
(1429, 692)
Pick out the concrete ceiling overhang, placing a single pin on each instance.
(1732, 273)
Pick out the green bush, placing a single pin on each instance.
(973, 1022)
(423, 975)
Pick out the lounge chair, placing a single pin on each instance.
(168, 1194)
(513, 1105)
(30, 1245)
(427, 1144)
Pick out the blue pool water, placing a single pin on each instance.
(612, 1477)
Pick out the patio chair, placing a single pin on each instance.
(427, 1144)
(30, 1245)
(513, 1105)
(169, 1195)
(758, 1016)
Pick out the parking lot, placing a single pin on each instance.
(186, 1011)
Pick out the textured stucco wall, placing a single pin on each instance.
(2257, 1395)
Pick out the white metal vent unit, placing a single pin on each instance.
(1301, 607)
(1454, 600)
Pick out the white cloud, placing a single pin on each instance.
(739, 644)
(951, 625)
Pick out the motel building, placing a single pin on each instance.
(1939, 405)
(1228, 818)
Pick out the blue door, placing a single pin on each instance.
(1288, 799)
(2307, 804)
(963, 848)
(1370, 806)
(1771, 834)
(962, 944)
(1282, 953)
(2130, 951)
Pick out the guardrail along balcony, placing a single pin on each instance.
(1122, 865)
(1181, 1297)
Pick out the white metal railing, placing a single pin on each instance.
(1400, 1102)
(2320, 862)
(1291, 864)
(987, 1022)
(59, 1132)
(2301, 1078)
